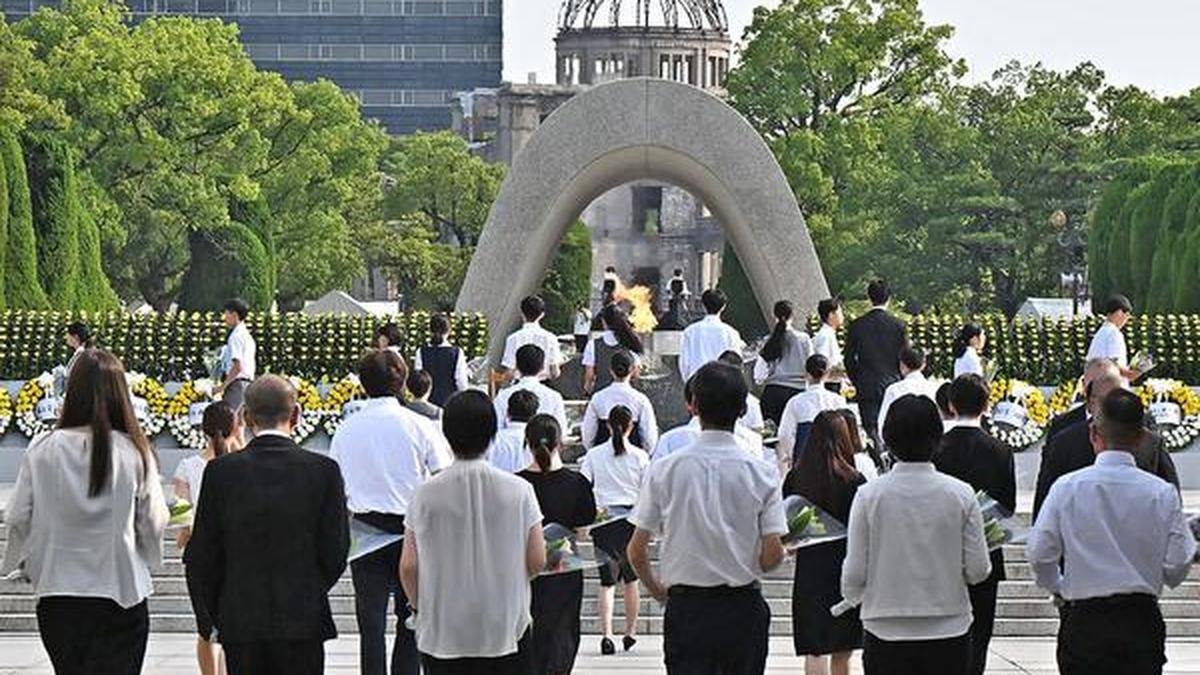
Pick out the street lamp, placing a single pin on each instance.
(1074, 243)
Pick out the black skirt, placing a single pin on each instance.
(556, 608)
(610, 542)
(815, 589)
(774, 401)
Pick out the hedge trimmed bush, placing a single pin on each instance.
(171, 347)
(568, 282)
(226, 262)
(55, 219)
(21, 286)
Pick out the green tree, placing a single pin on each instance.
(227, 261)
(22, 288)
(55, 219)
(568, 282)
(95, 293)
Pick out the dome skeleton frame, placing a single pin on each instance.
(700, 14)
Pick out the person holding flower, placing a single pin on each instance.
(1108, 342)
(565, 498)
(970, 341)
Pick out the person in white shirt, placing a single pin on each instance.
(913, 381)
(550, 402)
(618, 336)
(1108, 342)
(1120, 535)
(582, 328)
(753, 419)
(682, 436)
(803, 410)
(780, 364)
(78, 339)
(594, 429)
(825, 342)
(239, 358)
(533, 308)
(971, 341)
(85, 524)
(720, 515)
(708, 338)
(445, 363)
(615, 468)
(915, 543)
(385, 452)
(508, 451)
(473, 540)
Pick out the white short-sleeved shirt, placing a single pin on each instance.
(532, 334)
(968, 363)
(550, 402)
(385, 452)
(712, 504)
(915, 383)
(190, 470)
(620, 393)
(753, 418)
(1109, 343)
(825, 343)
(680, 437)
(242, 348)
(589, 352)
(803, 408)
(705, 341)
(471, 524)
(616, 479)
(508, 451)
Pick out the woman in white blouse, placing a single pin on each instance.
(223, 434)
(97, 530)
(615, 468)
(971, 340)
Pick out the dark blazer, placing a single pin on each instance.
(1067, 419)
(973, 456)
(270, 539)
(872, 353)
(1071, 450)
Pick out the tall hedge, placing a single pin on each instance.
(256, 215)
(568, 282)
(1145, 225)
(743, 311)
(55, 219)
(3, 231)
(22, 288)
(226, 261)
(1172, 234)
(95, 293)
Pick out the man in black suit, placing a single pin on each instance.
(1094, 368)
(269, 541)
(1072, 450)
(872, 355)
(973, 456)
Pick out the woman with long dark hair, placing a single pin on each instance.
(566, 498)
(222, 429)
(970, 342)
(89, 546)
(826, 477)
(781, 363)
(618, 336)
(616, 468)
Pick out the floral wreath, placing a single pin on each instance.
(1176, 409)
(1023, 423)
(312, 410)
(29, 396)
(1067, 397)
(6, 410)
(347, 389)
(178, 422)
(152, 391)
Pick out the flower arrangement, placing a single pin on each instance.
(312, 409)
(151, 391)
(1019, 413)
(29, 396)
(178, 409)
(1175, 409)
(1068, 396)
(347, 389)
(6, 410)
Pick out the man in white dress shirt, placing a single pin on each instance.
(529, 362)
(385, 452)
(804, 407)
(708, 338)
(533, 308)
(720, 515)
(1109, 342)
(682, 436)
(594, 429)
(825, 342)
(508, 451)
(912, 365)
(239, 356)
(1121, 535)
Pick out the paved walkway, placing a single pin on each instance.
(173, 655)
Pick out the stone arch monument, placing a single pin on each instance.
(640, 129)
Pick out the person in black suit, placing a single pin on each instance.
(972, 455)
(1094, 368)
(1072, 450)
(872, 355)
(270, 539)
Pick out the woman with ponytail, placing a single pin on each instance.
(565, 498)
(971, 340)
(615, 468)
(222, 429)
(618, 336)
(780, 366)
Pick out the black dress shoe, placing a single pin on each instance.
(607, 647)
(629, 641)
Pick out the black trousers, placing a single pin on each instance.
(376, 582)
(951, 656)
(275, 657)
(983, 606)
(716, 631)
(518, 663)
(868, 409)
(93, 636)
(1121, 635)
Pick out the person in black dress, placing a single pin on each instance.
(565, 498)
(826, 477)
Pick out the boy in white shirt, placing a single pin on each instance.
(239, 356)
(1108, 342)
(708, 338)
(508, 451)
(533, 308)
